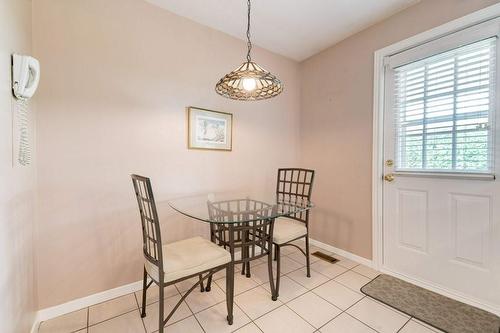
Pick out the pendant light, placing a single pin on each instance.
(249, 82)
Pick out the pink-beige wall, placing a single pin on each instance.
(336, 121)
(117, 76)
(17, 189)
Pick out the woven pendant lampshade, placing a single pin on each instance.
(249, 82)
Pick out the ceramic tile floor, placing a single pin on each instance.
(328, 302)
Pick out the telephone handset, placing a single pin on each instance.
(25, 76)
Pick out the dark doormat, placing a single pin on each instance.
(436, 310)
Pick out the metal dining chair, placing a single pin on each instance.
(294, 185)
(168, 264)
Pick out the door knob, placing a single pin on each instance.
(389, 177)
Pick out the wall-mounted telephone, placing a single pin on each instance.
(25, 76)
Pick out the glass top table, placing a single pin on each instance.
(238, 207)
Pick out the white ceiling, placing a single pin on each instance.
(294, 28)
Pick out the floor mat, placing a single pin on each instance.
(436, 310)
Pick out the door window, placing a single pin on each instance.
(444, 106)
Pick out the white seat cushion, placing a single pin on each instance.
(286, 230)
(188, 257)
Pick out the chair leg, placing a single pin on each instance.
(308, 262)
(230, 292)
(202, 288)
(275, 252)
(144, 288)
(208, 287)
(248, 269)
(160, 307)
(274, 297)
(278, 272)
(243, 264)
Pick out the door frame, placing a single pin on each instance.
(380, 55)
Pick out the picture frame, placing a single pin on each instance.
(209, 129)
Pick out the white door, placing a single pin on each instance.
(441, 201)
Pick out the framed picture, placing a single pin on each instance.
(209, 129)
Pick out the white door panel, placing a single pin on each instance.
(412, 208)
(445, 232)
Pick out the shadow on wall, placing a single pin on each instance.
(332, 228)
(174, 227)
(112, 246)
(16, 257)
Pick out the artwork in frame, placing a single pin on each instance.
(209, 129)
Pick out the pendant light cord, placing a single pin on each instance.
(249, 43)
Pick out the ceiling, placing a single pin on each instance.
(296, 29)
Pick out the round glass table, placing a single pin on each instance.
(239, 207)
(243, 222)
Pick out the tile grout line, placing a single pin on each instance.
(251, 322)
(237, 306)
(404, 325)
(213, 305)
(362, 322)
(358, 291)
(268, 312)
(192, 314)
(348, 314)
(265, 313)
(199, 324)
(176, 321)
(364, 296)
(113, 317)
(315, 328)
(107, 319)
(142, 319)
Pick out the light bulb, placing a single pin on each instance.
(249, 84)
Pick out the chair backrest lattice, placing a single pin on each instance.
(252, 238)
(151, 233)
(294, 187)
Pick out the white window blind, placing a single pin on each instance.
(444, 109)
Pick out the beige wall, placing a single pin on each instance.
(17, 195)
(336, 121)
(117, 75)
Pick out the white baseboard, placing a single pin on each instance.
(36, 324)
(343, 253)
(80, 303)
